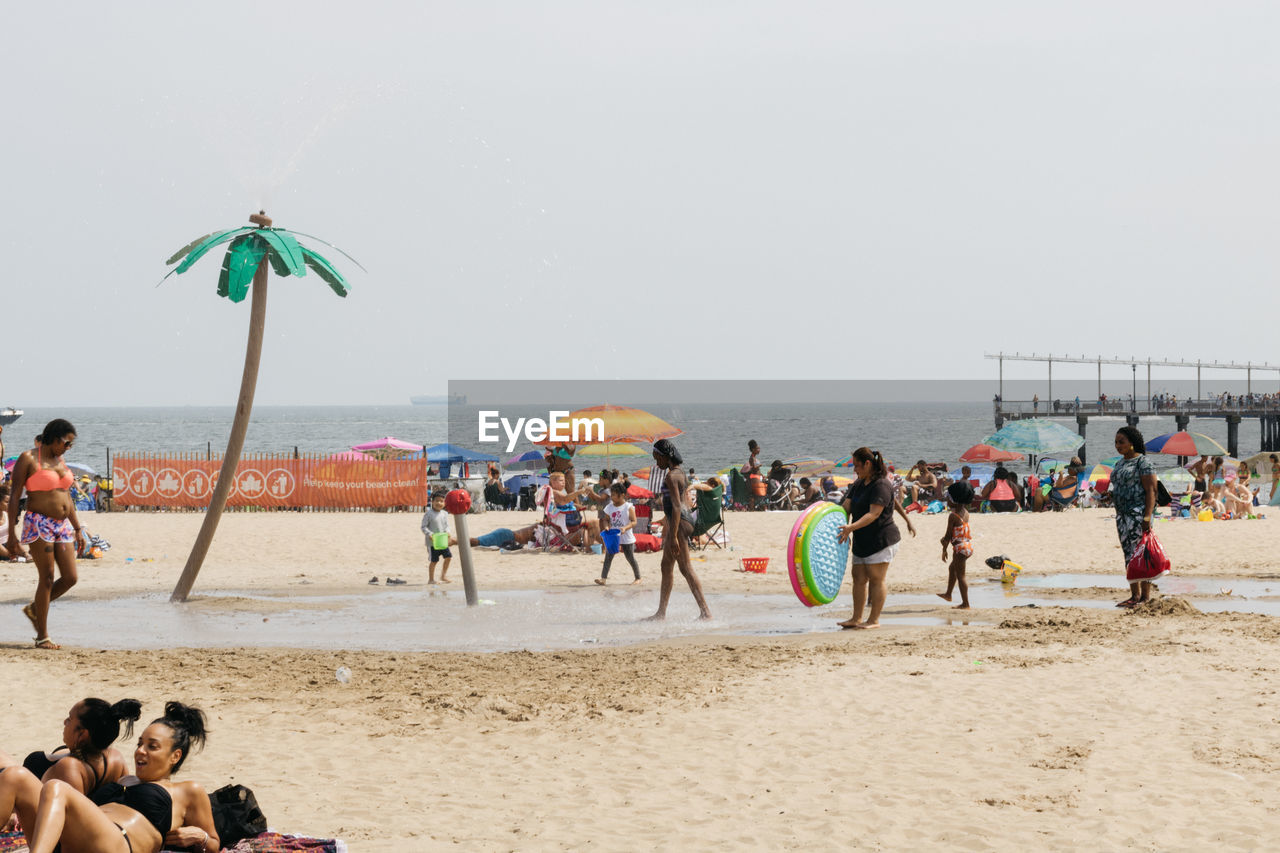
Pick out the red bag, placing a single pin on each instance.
(647, 542)
(1149, 562)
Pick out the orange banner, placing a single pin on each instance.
(279, 483)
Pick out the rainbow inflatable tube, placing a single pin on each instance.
(816, 559)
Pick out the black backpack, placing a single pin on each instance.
(236, 815)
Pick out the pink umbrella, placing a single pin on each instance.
(350, 455)
(387, 443)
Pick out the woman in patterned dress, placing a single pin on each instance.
(1133, 483)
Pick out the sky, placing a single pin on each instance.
(647, 190)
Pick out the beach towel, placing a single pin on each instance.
(267, 842)
(274, 842)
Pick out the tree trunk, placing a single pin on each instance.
(235, 443)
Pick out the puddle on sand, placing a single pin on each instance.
(1246, 595)
(429, 620)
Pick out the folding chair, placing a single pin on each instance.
(710, 517)
(555, 531)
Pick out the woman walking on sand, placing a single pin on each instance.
(1133, 483)
(870, 504)
(49, 526)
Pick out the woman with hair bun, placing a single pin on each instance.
(140, 817)
(870, 503)
(86, 760)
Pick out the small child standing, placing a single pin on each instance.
(435, 521)
(622, 517)
(957, 535)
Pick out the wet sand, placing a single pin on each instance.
(1050, 727)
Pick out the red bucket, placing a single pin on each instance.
(756, 565)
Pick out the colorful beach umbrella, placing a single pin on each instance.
(807, 466)
(613, 449)
(530, 460)
(350, 456)
(1097, 472)
(643, 473)
(987, 453)
(621, 423)
(1185, 444)
(387, 445)
(1036, 436)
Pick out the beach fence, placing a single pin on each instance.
(268, 481)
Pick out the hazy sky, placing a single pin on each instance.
(637, 190)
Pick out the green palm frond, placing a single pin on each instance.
(284, 251)
(239, 265)
(178, 255)
(325, 270)
(209, 242)
(327, 243)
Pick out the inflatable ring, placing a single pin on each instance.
(794, 570)
(823, 557)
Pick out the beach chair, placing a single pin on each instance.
(738, 490)
(558, 526)
(1065, 496)
(710, 519)
(644, 518)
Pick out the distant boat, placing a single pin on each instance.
(9, 415)
(439, 400)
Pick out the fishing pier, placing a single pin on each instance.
(1233, 408)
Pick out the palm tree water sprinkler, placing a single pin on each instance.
(253, 252)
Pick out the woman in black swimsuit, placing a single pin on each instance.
(86, 760)
(137, 818)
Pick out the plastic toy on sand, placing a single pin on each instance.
(816, 559)
(1008, 569)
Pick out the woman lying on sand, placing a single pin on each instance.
(86, 760)
(135, 818)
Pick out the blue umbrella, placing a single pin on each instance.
(1035, 436)
(530, 460)
(519, 481)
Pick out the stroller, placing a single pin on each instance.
(778, 494)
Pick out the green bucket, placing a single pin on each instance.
(440, 541)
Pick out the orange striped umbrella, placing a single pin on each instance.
(621, 423)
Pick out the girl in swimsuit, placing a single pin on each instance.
(138, 817)
(86, 761)
(957, 535)
(50, 526)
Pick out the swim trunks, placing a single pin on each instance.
(36, 526)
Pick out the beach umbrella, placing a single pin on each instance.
(612, 450)
(987, 453)
(1185, 444)
(643, 473)
(253, 252)
(82, 469)
(807, 466)
(1047, 464)
(1096, 473)
(519, 481)
(847, 462)
(1262, 459)
(639, 492)
(1176, 479)
(1112, 461)
(350, 456)
(1034, 436)
(530, 460)
(387, 447)
(621, 423)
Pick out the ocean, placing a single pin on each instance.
(715, 434)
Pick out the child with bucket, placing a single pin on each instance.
(435, 526)
(620, 535)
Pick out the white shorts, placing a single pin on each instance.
(884, 555)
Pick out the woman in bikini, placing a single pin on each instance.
(49, 526)
(86, 760)
(135, 818)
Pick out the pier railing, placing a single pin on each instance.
(1141, 406)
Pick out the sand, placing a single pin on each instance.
(1053, 727)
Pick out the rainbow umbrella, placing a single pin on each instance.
(847, 462)
(807, 466)
(1185, 444)
(1097, 472)
(987, 453)
(612, 450)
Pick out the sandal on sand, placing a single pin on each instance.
(396, 581)
(373, 580)
(46, 643)
(1128, 602)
